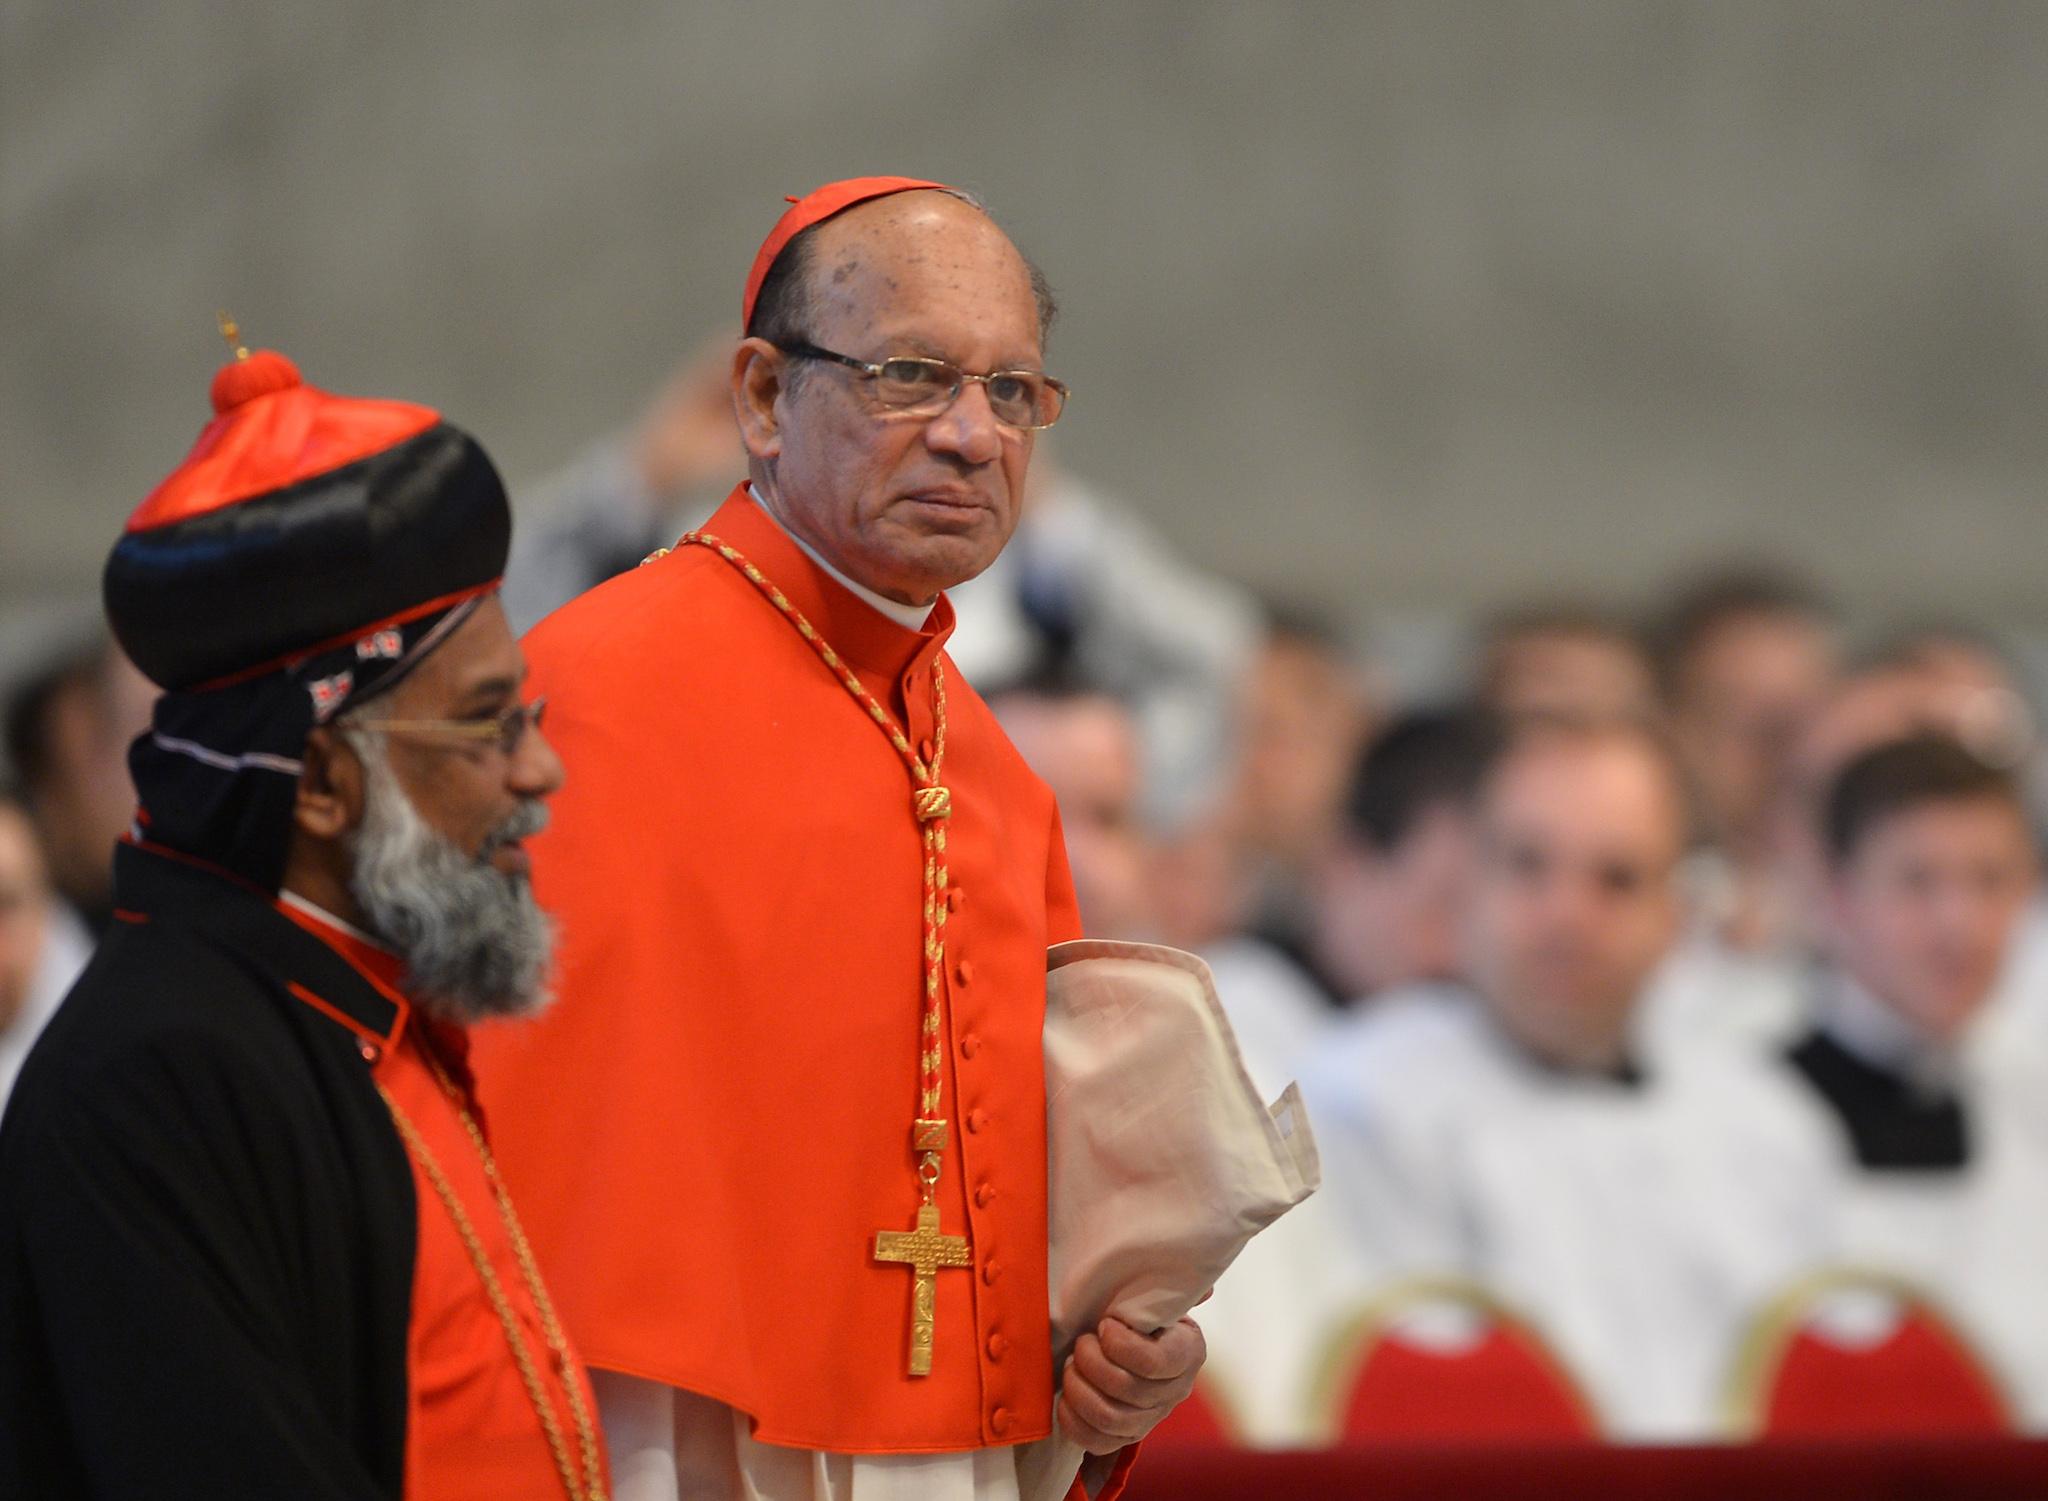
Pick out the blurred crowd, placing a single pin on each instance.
(1662, 991)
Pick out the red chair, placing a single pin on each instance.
(1444, 1360)
(1861, 1354)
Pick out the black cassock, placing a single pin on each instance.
(207, 1219)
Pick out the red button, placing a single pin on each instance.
(996, 1345)
(369, 1052)
(956, 899)
(976, 1119)
(990, 1271)
(999, 1420)
(970, 1044)
(984, 1195)
(965, 970)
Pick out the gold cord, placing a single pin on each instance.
(932, 804)
(592, 1486)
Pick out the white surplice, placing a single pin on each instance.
(1708, 1000)
(1974, 1236)
(1276, 1013)
(1609, 1216)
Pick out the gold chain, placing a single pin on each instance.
(592, 1486)
(932, 804)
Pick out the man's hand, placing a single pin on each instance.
(1120, 1383)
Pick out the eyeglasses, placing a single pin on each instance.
(506, 730)
(920, 387)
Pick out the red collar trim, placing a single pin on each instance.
(381, 969)
(859, 632)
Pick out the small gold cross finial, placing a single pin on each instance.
(924, 1250)
(232, 332)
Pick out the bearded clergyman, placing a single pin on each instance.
(252, 1238)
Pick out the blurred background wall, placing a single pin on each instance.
(1384, 308)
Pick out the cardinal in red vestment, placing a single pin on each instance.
(782, 1141)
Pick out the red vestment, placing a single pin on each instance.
(471, 1432)
(708, 1128)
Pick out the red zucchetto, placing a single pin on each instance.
(815, 207)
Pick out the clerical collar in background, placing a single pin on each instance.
(1873, 1033)
(1624, 1073)
(1891, 1089)
(910, 617)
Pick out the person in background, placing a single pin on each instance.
(1389, 899)
(1565, 660)
(1390, 891)
(1955, 653)
(1089, 590)
(1745, 659)
(1306, 710)
(1893, 697)
(1890, 1136)
(253, 1241)
(628, 493)
(1084, 745)
(1986, 693)
(43, 945)
(1748, 666)
(1505, 1130)
(1982, 700)
(68, 729)
(1715, 997)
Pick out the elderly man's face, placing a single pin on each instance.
(904, 505)
(438, 868)
(465, 791)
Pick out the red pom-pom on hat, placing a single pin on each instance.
(244, 380)
(272, 430)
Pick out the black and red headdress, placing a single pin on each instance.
(310, 550)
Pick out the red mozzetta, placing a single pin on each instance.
(709, 1127)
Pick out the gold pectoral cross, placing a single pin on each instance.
(924, 1251)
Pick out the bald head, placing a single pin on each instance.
(790, 292)
(905, 503)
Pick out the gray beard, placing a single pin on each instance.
(474, 942)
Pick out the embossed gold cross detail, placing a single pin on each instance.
(924, 1251)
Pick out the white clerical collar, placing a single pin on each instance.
(1875, 1032)
(320, 914)
(910, 617)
